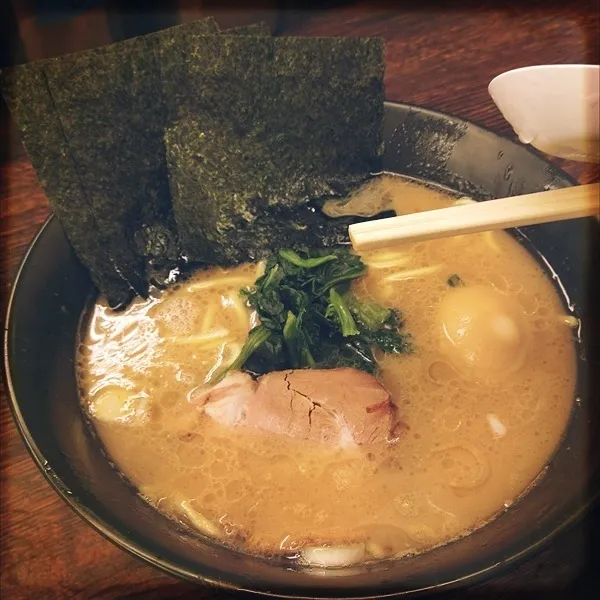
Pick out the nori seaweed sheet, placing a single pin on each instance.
(92, 124)
(252, 233)
(26, 93)
(157, 238)
(258, 29)
(278, 122)
(315, 90)
(110, 104)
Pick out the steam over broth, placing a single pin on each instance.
(484, 399)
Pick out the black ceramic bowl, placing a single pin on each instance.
(52, 290)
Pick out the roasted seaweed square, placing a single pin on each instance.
(271, 125)
(28, 98)
(257, 29)
(257, 128)
(92, 124)
(112, 111)
(220, 224)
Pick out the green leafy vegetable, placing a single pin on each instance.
(309, 318)
(305, 263)
(256, 338)
(290, 336)
(338, 272)
(388, 341)
(337, 307)
(455, 281)
(370, 315)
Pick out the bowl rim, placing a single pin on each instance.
(168, 567)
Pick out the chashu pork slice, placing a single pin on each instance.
(340, 407)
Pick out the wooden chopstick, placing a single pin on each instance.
(516, 211)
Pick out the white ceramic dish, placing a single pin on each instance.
(555, 108)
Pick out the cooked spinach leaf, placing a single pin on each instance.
(369, 314)
(338, 309)
(310, 319)
(305, 263)
(455, 281)
(256, 338)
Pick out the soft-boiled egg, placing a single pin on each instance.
(485, 332)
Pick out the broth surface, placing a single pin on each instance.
(485, 398)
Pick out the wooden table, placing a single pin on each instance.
(439, 58)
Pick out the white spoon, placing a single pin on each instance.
(555, 108)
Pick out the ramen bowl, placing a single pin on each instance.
(52, 291)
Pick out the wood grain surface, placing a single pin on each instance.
(440, 55)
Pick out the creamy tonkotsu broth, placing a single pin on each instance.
(485, 398)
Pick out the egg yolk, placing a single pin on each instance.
(484, 332)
